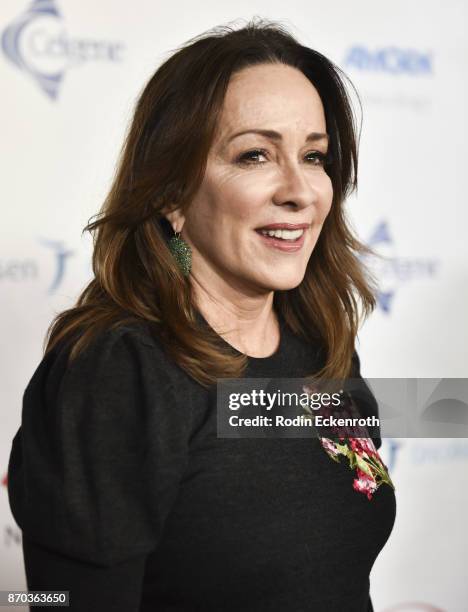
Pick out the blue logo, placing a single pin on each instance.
(392, 447)
(60, 254)
(36, 42)
(450, 451)
(422, 452)
(24, 270)
(392, 271)
(390, 60)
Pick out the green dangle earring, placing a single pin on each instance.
(182, 253)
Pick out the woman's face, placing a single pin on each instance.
(254, 180)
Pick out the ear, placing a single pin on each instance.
(176, 218)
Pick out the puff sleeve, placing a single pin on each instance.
(95, 468)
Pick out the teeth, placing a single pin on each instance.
(284, 233)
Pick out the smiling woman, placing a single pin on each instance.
(241, 194)
(221, 251)
(237, 130)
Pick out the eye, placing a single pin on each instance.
(322, 159)
(246, 158)
(318, 158)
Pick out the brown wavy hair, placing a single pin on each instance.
(160, 168)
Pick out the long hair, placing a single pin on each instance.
(160, 168)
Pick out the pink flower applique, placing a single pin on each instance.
(371, 472)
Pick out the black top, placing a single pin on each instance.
(128, 499)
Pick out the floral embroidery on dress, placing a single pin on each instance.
(371, 471)
(359, 449)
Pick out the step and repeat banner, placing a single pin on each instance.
(71, 73)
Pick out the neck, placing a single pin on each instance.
(246, 322)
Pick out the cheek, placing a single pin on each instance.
(234, 197)
(218, 222)
(244, 198)
(326, 196)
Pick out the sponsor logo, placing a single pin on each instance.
(391, 270)
(391, 449)
(22, 270)
(61, 255)
(427, 453)
(390, 60)
(36, 42)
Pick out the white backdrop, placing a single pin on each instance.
(71, 72)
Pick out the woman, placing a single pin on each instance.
(126, 495)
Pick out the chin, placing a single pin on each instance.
(284, 282)
(286, 286)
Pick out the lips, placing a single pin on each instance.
(289, 246)
(287, 226)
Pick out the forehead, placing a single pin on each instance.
(271, 96)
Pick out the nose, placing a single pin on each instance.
(294, 189)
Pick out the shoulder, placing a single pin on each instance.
(121, 375)
(110, 426)
(113, 352)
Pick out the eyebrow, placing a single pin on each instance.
(273, 135)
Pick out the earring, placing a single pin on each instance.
(182, 253)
